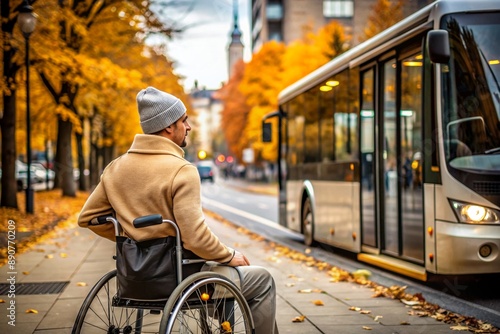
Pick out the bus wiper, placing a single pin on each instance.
(492, 151)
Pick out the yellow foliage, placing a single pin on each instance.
(332, 40)
(235, 112)
(261, 81)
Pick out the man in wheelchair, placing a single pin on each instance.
(154, 178)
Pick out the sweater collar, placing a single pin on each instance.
(153, 144)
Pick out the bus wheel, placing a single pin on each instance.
(308, 223)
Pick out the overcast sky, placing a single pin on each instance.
(200, 53)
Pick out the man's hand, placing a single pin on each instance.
(238, 260)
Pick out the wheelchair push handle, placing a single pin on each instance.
(146, 221)
(156, 219)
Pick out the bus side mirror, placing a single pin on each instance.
(438, 44)
(267, 132)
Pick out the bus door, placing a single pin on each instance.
(392, 196)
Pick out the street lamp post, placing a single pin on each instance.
(27, 22)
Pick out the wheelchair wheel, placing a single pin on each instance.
(206, 302)
(101, 312)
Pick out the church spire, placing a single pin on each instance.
(236, 34)
(235, 48)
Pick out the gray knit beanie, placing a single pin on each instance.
(158, 110)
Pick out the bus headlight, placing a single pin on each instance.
(475, 214)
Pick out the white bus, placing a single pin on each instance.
(392, 149)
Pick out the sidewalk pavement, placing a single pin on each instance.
(78, 257)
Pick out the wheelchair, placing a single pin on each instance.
(203, 302)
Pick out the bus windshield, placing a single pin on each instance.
(471, 93)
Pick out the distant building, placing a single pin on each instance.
(283, 20)
(207, 122)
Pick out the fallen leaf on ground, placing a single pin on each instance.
(361, 273)
(300, 318)
(310, 291)
(367, 328)
(411, 302)
(420, 314)
(318, 302)
(459, 328)
(31, 310)
(485, 328)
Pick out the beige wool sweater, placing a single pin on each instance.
(154, 178)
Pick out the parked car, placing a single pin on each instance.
(38, 174)
(206, 172)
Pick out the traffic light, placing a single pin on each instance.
(221, 158)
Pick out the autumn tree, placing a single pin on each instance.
(11, 43)
(74, 23)
(332, 40)
(385, 13)
(261, 84)
(235, 111)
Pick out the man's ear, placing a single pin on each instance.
(169, 129)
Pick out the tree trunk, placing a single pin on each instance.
(8, 119)
(93, 165)
(8, 127)
(82, 181)
(108, 155)
(64, 158)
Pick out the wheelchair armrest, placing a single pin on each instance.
(150, 220)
